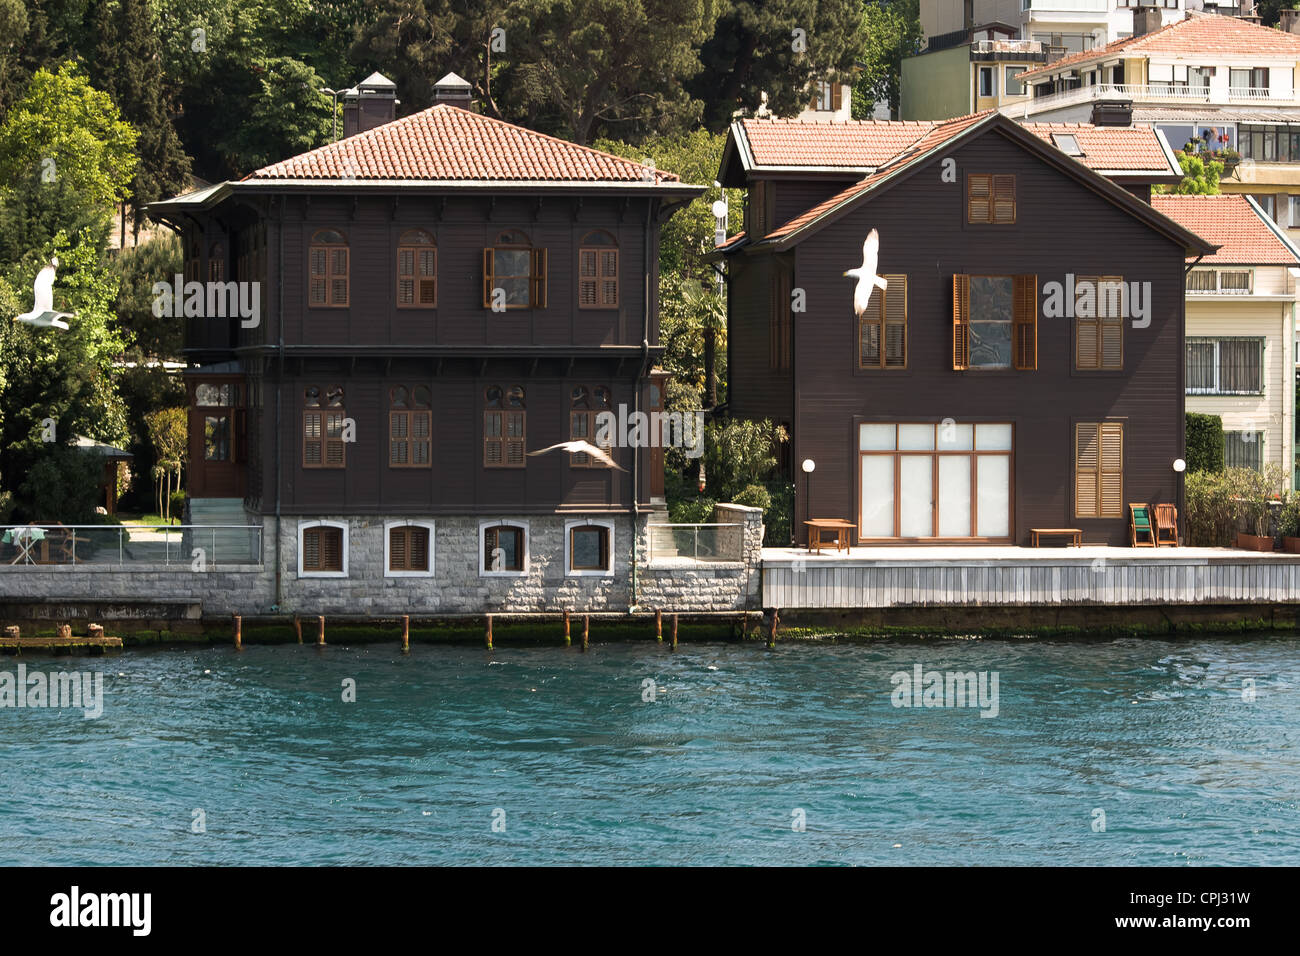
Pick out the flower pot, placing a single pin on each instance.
(1291, 545)
(1254, 542)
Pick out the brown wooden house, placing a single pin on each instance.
(438, 296)
(978, 396)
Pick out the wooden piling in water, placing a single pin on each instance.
(586, 622)
(744, 625)
(489, 632)
(320, 630)
(771, 631)
(566, 628)
(239, 633)
(406, 633)
(674, 632)
(659, 624)
(297, 627)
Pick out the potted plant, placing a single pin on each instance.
(1289, 526)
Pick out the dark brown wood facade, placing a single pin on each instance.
(1063, 225)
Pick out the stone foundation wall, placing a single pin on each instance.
(456, 586)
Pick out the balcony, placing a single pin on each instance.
(1152, 93)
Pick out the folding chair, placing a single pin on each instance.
(1167, 526)
(1140, 526)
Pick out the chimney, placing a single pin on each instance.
(968, 19)
(371, 103)
(1112, 113)
(1145, 19)
(453, 91)
(1290, 21)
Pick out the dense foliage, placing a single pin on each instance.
(1204, 442)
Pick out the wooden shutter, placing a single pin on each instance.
(331, 551)
(837, 96)
(312, 447)
(1099, 338)
(1004, 198)
(869, 334)
(335, 449)
(493, 442)
(487, 277)
(319, 294)
(960, 322)
(338, 258)
(514, 439)
(399, 439)
(894, 314)
(538, 279)
(979, 197)
(1025, 322)
(398, 555)
(1099, 470)
(405, 277)
(421, 439)
(588, 278)
(311, 549)
(608, 278)
(428, 285)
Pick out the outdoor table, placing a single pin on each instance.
(24, 539)
(838, 526)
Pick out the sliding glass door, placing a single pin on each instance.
(940, 480)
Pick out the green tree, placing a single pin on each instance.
(1200, 178)
(127, 65)
(890, 31)
(168, 432)
(755, 48)
(63, 128)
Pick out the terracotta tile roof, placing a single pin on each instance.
(855, 144)
(731, 241)
(1229, 222)
(446, 143)
(1199, 34)
(933, 138)
(1111, 147)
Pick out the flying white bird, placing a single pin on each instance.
(866, 273)
(43, 314)
(575, 447)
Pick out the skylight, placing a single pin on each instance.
(1067, 143)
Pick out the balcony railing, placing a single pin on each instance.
(1149, 93)
(178, 547)
(704, 543)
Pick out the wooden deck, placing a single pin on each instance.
(1010, 576)
(77, 644)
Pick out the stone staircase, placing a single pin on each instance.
(231, 545)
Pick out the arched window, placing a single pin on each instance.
(217, 262)
(322, 427)
(598, 271)
(410, 427)
(503, 427)
(504, 547)
(514, 273)
(417, 270)
(585, 405)
(329, 270)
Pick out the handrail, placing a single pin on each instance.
(172, 535)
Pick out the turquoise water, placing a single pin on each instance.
(1157, 735)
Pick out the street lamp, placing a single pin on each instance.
(335, 113)
(808, 466)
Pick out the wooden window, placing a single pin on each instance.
(410, 427)
(882, 330)
(991, 198)
(780, 322)
(503, 548)
(322, 549)
(598, 272)
(329, 270)
(589, 548)
(192, 262)
(417, 270)
(1099, 323)
(830, 96)
(514, 273)
(504, 427)
(995, 322)
(1099, 470)
(585, 406)
(217, 262)
(408, 548)
(322, 428)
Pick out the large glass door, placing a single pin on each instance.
(935, 480)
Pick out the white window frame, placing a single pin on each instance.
(569, 571)
(1218, 284)
(323, 523)
(482, 540)
(1217, 341)
(1011, 75)
(388, 541)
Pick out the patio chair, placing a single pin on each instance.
(1140, 526)
(1167, 526)
(63, 543)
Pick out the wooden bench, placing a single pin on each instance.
(838, 526)
(1075, 534)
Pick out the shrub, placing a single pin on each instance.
(755, 496)
(1204, 443)
(177, 501)
(1219, 504)
(691, 510)
(62, 486)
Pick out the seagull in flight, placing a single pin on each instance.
(42, 314)
(579, 446)
(866, 273)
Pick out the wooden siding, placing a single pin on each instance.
(1062, 227)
